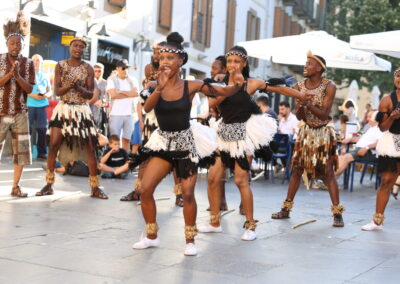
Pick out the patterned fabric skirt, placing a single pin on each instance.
(313, 148)
(77, 127)
(388, 149)
(186, 150)
(237, 141)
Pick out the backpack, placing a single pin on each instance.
(78, 168)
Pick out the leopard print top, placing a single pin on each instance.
(67, 74)
(319, 94)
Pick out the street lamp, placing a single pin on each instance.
(39, 11)
(101, 32)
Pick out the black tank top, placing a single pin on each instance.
(395, 128)
(174, 115)
(239, 107)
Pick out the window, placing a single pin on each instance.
(253, 32)
(201, 23)
(230, 24)
(278, 22)
(164, 15)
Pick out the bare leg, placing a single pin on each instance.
(333, 189)
(330, 182)
(56, 139)
(344, 162)
(178, 190)
(189, 207)
(215, 176)
(135, 148)
(126, 144)
(294, 183)
(156, 170)
(383, 193)
(242, 182)
(17, 174)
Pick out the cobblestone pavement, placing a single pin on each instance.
(72, 238)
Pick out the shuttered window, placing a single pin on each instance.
(201, 23)
(165, 14)
(279, 15)
(230, 24)
(253, 32)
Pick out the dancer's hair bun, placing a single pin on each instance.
(175, 37)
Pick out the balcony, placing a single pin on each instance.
(304, 9)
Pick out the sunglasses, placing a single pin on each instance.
(97, 71)
(124, 68)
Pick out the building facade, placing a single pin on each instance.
(209, 27)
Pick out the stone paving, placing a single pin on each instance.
(72, 238)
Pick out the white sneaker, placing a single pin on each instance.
(249, 235)
(146, 243)
(372, 227)
(208, 228)
(190, 249)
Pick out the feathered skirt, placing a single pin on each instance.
(313, 148)
(237, 141)
(388, 149)
(77, 128)
(186, 150)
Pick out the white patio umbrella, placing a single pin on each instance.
(293, 50)
(387, 43)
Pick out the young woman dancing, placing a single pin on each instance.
(242, 131)
(176, 144)
(388, 149)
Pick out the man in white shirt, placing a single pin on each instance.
(122, 89)
(287, 120)
(364, 148)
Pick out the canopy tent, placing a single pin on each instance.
(292, 50)
(387, 43)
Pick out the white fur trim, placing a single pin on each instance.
(385, 146)
(205, 139)
(260, 130)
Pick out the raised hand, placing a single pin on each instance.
(395, 114)
(238, 78)
(163, 78)
(15, 69)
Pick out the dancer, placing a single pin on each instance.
(72, 127)
(218, 72)
(315, 147)
(242, 131)
(176, 144)
(17, 77)
(388, 149)
(148, 124)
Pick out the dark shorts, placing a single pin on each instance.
(368, 157)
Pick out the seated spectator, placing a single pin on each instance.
(263, 104)
(343, 120)
(365, 145)
(114, 162)
(287, 120)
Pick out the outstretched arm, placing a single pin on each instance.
(286, 91)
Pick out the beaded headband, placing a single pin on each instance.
(81, 39)
(171, 50)
(16, 34)
(396, 71)
(310, 55)
(241, 54)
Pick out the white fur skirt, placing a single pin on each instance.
(186, 150)
(388, 145)
(388, 149)
(239, 140)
